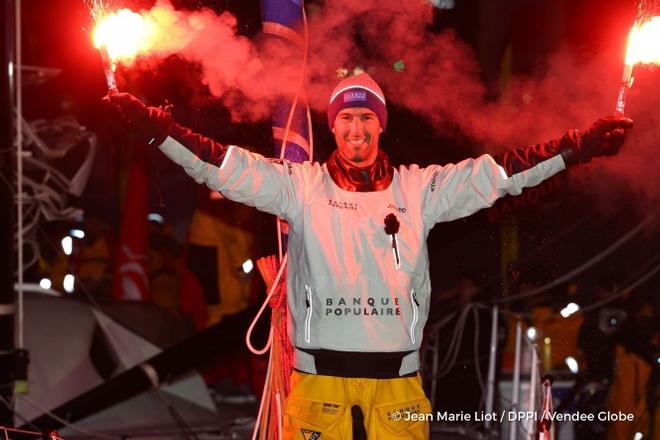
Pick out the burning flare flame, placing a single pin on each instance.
(644, 43)
(124, 34)
(643, 47)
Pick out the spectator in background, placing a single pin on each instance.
(219, 282)
(220, 241)
(93, 258)
(164, 267)
(633, 374)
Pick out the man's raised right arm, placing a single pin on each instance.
(240, 175)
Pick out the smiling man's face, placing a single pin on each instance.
(356, 133)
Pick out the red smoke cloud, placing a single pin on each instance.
(441, 80)
(230, 62)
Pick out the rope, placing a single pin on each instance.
(273, 288)
(588, 264)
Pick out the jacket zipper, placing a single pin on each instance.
(308, 318)
(415, 306)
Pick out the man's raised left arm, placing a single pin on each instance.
(457, 190)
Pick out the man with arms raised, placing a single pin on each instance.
(358, 281)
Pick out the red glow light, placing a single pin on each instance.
(124, 34)
(644, 43)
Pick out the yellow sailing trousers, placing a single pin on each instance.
(319, 407)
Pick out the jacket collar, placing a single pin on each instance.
(374, 177)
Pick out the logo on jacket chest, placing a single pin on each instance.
(351, 206)
(362, 307)
(393, 207)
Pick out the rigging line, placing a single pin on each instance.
(66, 423)
(512, 313)
(641, 269)
(311, 135)
(19, 431)
(588, 264)
(623, 291)
(555, 238)
(634, 280)
(497, 276)
(455, 344)
(451, 343)
(438, 325)
(17, 414)
(185, 428)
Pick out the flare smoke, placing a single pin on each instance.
(441, 81)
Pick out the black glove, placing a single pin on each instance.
(604, 138)
(149, 124)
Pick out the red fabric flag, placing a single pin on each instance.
(131, 279)
(192, 297)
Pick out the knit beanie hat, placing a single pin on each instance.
(358, 91)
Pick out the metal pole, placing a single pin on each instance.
(515, 392)
(7, 260)
(434, 368)
(18, 69)
(534, 377)
(490, 386)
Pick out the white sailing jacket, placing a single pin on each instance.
(346, 290)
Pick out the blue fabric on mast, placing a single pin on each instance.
(288, 14)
